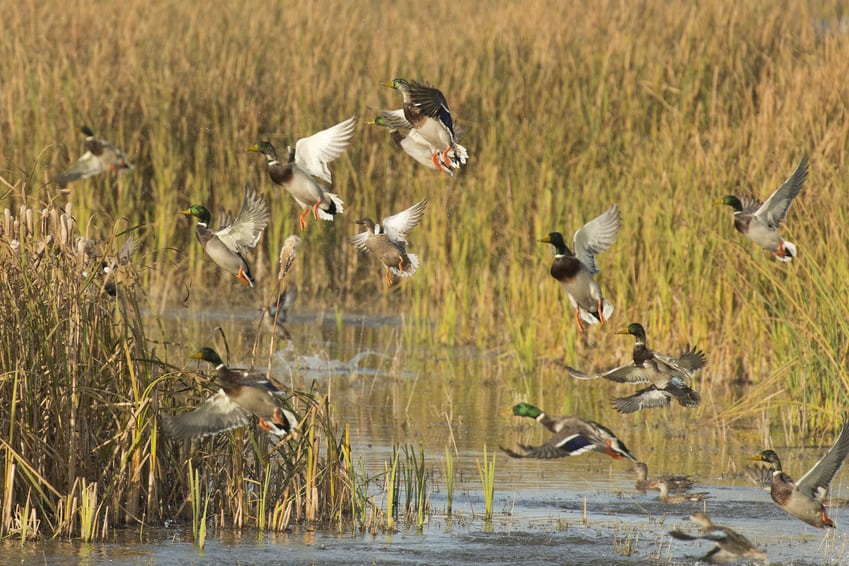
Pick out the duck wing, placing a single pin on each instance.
(815, 482)
(244, 232)
(312, 154)
(628, 373)
(596, 236)
(774, 210)
(397, 225)
(216, 414)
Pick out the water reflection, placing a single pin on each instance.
(392, 392)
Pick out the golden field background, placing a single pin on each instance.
(565, 108)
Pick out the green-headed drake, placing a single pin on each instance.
(576, 270)
(426, 109)
(759, 222)
(414, 144)
(572, 436)
(730, 546)
(388, 241)
(307, 164)
(804, 499)
(100, 156)
(244, 393)
(226, 244)
(665, 374)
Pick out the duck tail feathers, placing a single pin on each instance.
(788, 251)
(335, 207)
(410, 270)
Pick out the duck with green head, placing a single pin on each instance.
(664, 374)
(242, 394)
(307, 168)
(572, 436)
(576, 269)
(760, 222)
(100, 156)
(804, 498)
(426, 110)
(227, 243)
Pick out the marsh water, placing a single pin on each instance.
(579, 510)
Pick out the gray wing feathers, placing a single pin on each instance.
(246, 229)
(774, 210)
(815, 482)
(397, 225)
(312, 154)
(596, 236)
(216, 414)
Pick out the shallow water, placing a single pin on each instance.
(392, 395)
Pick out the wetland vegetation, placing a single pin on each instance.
(565, 108)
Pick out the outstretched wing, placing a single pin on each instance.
(596, 236)
(774, 210)
(815, 482)
(244, 232)
(397, 225)
(628, 373)
(432, 102)
(216, 414)
(312, 154)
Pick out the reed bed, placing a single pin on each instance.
(662, 107)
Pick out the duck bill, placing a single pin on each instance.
(187, 212)
(545, 240)
(389, 84)
(254, 147)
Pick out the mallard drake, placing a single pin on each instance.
(759, 222)
(307, 163)
(243, 393)
(100, 156)
(575, 270)
(804, 499)
(673, 482)
(664, 373)
(388, 242)
(664, 495)
(415, 145)
(426, 109)
(226, 244)
(730, 545)
(572, 436)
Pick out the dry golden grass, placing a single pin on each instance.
(662, 107)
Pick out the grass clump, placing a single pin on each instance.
(81, 449)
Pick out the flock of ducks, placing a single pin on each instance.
(666, 377)
(424, 129)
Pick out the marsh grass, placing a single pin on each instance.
(81, 449)
(486, 470)
(640, 104)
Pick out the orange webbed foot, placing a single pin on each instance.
(600, 312)
(315, 210)
(302, 220)
(243, 278)
(578, 320)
